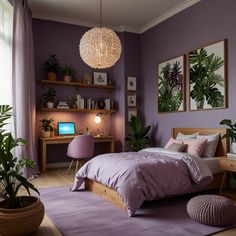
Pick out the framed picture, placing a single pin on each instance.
(131, 112)
(100, 78)
(131, 100)
(171, 81)
(207, 77)
(131, 83)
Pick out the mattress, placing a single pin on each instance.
(213, 164)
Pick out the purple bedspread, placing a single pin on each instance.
(146, 175)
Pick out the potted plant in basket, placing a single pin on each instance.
(137, 137)
(68, 72)
(49, 97)
(51, 67)
(231, 133)
(19, 215)
(47, 127)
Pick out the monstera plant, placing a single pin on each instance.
(170, 88)
(205, 80)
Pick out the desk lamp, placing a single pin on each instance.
(98, 120)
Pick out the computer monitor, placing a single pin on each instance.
(66, 128)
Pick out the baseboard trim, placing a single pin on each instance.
(57, 165)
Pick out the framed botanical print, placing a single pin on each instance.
(100, 78)
(207, 77)
(132, 112)
(171, 80)
(131, 83)
(131, 100)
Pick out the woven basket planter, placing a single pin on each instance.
(22, 221)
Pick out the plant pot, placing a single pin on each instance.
(52, 76)
(45, 134)
(50, 105)
(22, 221)
(233, 147)
(67, 78)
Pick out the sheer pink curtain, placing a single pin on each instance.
(24, 81)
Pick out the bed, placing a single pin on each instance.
(110, 194)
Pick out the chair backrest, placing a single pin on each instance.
(81, 146)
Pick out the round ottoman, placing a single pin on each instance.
(211, 210)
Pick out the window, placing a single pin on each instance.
(6, 21)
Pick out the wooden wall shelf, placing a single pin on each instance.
(44, 109)
(82, 85)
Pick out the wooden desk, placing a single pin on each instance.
(68, 139)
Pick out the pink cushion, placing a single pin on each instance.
(195, 147)
(171, 141)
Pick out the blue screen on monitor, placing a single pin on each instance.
(65, 128)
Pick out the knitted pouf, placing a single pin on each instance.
(211, 210)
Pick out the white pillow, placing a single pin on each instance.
(211, 145)
(181, 136)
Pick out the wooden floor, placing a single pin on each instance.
(59, 177)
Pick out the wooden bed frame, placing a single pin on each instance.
(222, 149)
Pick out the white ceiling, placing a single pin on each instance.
(122, 15)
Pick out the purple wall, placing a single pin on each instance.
(206, 22)
(63, 40)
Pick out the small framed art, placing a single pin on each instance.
(100, 78)
(131, 100)
(131, 83)
(131, 113)
(208, 77)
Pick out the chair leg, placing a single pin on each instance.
(77, 166)
(70, 166)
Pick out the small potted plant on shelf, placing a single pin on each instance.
(47, 127)
(231, 133)
(51, 67)
(19, 215)
(68, 73)
(137, 137)
(49, 97)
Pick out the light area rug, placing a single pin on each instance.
(84, 213)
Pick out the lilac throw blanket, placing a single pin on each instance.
(146, 175)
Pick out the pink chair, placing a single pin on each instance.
(80, 149)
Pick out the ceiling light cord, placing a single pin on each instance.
(100, 16)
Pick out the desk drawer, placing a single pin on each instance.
(228, 164)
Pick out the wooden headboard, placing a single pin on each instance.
(223, 145)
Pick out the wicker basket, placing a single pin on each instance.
(22, 221)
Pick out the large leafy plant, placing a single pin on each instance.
(170, 88)
(205, 80)
(11, 175)
(231, 132)
(137, 137)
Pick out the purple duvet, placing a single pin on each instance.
(146, 175)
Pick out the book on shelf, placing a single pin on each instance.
(231, 155)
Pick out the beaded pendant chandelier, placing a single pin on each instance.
(100, 47)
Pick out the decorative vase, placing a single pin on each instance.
(67, 78)
(233, 147)
(22, 221)
(52, 76)
(45, 134)
(50, 105)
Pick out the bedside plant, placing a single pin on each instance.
(49, 97)
(137, 137)
(51, 67)
(25, 213)
(47, 127)
(68, 72)
(231, 133)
